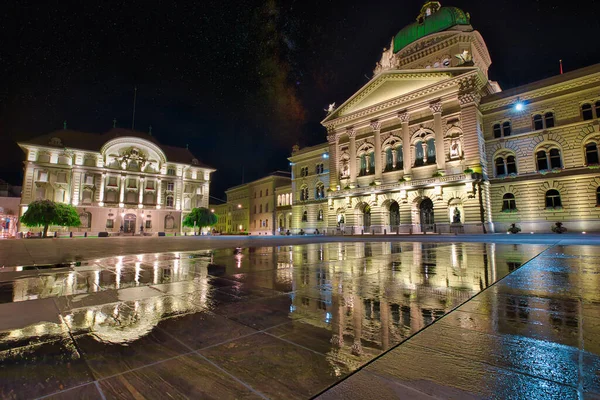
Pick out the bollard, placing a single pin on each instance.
(85, 234)
(55, 234)
(385, 231)
(362, 231)
(71, 234)
(175, 233)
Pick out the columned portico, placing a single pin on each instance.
(440, 154)
(333, 140)
(376, 125)
(352, 148)
(404, 119)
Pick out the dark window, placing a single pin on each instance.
(497, 131)
(389, 160)
(431, 151)
(549, 119)
(363, 165)
(598, 196)
(553, 199)
(372, 162)
(500, 170)
(538, 122)
(506, 128)
(555, 159)
(320, 216)
(542, 160)
(508, 202)
(586, 112)
(597, 106)
(399, 158)
(305, 216)
(591, 154)
(418, 154)
(511, 165)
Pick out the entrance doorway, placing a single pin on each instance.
(129, 223)
(367, 217)
(426, 215)
(394, 215)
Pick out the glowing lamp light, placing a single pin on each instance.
(519, 106)
(239, 206)
(212, 210)
(583, 232)
(325, 155)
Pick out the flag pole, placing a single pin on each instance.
(561, 68)
(134, 100)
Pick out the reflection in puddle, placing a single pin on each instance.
(348, 301)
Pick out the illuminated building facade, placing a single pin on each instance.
(121, 178)
(431, 144)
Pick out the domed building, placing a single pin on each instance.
(431, 144)
(120, 181)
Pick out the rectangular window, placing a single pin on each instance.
(170, 186)
(89, 179)
(149, 184)
(40, 193)
(110, 223)
(267, 207)
(171, 171)
(111, 196)
(131, 183)
(42, 176)
(61, 177)
(267, 193)
(148, 224)
(112, 181)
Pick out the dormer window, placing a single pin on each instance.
(171, 171)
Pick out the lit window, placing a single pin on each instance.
(110, 223)
(506, 128)
(538, 122)
(508, 202)
(497, 131)
(320, 216)
(586, 112)
(42, 176)
(591, 154)
(553, 199)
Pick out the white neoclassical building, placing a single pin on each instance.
(120, 180)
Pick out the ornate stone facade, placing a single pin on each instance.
(421, 147)
(120, 179)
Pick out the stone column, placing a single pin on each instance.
(376, 125)
(334, 174)
(352, 135)
(141, 188)
(440, 153)
(102, 183)
(405, 118)
(159, 193)
(472, 136)
(122, 193)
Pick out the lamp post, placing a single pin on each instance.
(478, 180)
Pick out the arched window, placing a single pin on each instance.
(86, 219)
(305, 216)
(500, 169)
(497, 131)
(508, 202)
(506, 128)
(389, 160)
(260, 208)
(169, 202)
(555, 161)
(399, 158)
(320, 191)
(372, 162)
(553, 199)
(586, 111)
(431, 151)
(549, 119)
(169, 222)
(511, 165)
(591, 154)
(542, 160)
(538, 122)
(419, 154)
(363, 165)
(597, 107)
(598, 196)
(320, 216)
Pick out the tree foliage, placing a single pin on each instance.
(202, 216)
(46, 213)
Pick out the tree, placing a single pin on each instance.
(45, 213)
(200, 217)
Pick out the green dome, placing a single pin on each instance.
(439, 20)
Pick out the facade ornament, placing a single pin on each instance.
(436, 107)
(330, 108)
(333, 138)
(465, 58)
(375, 125)
(351, 132)
(404, 116)
(468, 98)
(295, 148)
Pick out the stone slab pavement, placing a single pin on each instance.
(533, 335)
(51, 251)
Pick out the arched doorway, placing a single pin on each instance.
(394, 215)
(426, 214)
(366, 212)
(129, 223)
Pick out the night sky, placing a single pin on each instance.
(239, 81)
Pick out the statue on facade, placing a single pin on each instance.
(465, 58)
(456, 217)
(330, 108)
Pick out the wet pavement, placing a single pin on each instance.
(302, 320)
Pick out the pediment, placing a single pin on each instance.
(387, 86)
